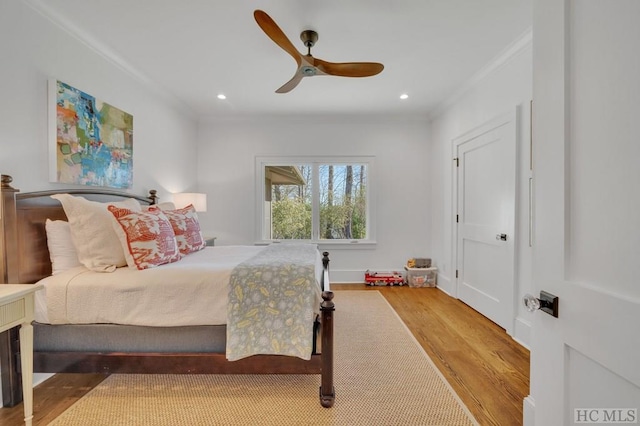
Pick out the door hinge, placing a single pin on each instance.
(457, 162)
(456, 273)
(457, 218)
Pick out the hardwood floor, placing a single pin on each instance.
(488, 370)
(484, 365)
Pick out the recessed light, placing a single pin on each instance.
(221, 96)
(404, 96)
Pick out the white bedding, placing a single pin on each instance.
(193, 291)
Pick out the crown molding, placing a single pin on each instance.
(511, 51)
(103, 50)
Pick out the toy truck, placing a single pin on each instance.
(383, 278)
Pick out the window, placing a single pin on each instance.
(323, 200)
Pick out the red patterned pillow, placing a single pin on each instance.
(147, 237)
(187, 229)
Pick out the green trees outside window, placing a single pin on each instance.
(339, 198)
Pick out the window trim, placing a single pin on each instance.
(262, 161)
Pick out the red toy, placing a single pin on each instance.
(383, 278)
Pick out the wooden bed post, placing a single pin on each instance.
(11, 381)
(327, 391)
(324, 280)
(8, 232)
(153, 196)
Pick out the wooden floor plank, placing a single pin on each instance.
(485, 366)
(52, 397)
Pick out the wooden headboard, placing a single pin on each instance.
(24, 256)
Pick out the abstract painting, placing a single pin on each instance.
(91, 142)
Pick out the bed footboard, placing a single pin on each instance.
(203, 363)
(195, 363)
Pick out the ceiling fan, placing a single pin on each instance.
(309, 66)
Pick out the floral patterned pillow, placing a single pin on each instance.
(147, 237)
(187, 229)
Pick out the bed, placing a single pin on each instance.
(179, 344)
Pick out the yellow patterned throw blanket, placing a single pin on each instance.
(273, 300)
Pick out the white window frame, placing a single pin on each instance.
(262, 161)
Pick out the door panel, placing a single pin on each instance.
(486, 209)
(479, 268)
(587, 232)
(584, 375)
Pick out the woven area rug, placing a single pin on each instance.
(382, 377)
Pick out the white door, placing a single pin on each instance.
(486, 177)
(585, 364)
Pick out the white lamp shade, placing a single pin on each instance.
(183, 199)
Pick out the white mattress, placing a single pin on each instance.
(192, 291)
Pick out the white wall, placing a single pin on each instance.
(226, 155)
(499, 91)
(33, 50)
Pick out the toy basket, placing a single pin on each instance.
(421, 277)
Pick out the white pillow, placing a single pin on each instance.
(61, 249)
(96, 242)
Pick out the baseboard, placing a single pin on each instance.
(346, 276)
(522, 332)
(445, 285)
(37, 379)
(528, 411)
(41, 377)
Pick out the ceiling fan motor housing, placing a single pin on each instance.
(309, 38)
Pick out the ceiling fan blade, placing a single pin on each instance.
(349, 69)
(274, 32)
(289, 85)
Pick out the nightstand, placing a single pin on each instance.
(16, 309)
(210, 241)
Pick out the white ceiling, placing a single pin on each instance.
(195, 49)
